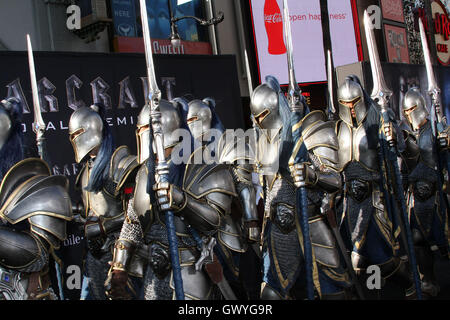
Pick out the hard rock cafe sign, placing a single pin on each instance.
(440, 26)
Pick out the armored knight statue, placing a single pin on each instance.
(283, 258)
(200, 196)
(34, 209)
(104, 182)
(424, 197)
(241, 229)
(365, 216)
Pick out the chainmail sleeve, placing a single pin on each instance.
(132, 228)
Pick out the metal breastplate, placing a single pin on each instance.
(426, 147)
(268, 157)
(143, 207)
(100, 204)
(353, 146)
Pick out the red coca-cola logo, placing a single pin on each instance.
(273, 18)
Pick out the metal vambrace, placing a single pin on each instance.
(328, 181)
(123, 251)
(19, 250)
(250, 217)
(242, 176)
(201, 214)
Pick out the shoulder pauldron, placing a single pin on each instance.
(320, 138)
(123, 168)
(28, 191)
(212, 181)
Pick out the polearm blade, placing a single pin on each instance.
(433, 89)
(250, 90)
(330, 80)
(249, 75)
(161, 165)
(38, 124)
(299, 156)
(294, 90)
(381, 94)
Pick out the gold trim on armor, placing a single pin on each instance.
(226, 245)
(46, 230)
(45, 213)
(17, 191)
(19, 164)
(45, 237)
(32, 261)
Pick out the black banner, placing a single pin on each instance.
(67, 81)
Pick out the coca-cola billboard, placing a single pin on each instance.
(273, 22)
(307, 39)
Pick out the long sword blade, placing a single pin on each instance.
(38, 124)
(249, 75)
(330, 82)
(433, 89)
(380, 93)
(293, 85)
(432, 84)
(153, 86)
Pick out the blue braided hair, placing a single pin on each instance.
(100, 170)
(12, 151)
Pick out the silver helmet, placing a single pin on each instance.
(5, 122)
(85, 131)
(170, 121)
(414, 108)
(199, 118)
(351, 102)
(264, 106)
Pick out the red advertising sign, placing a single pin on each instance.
(441, 32)
(396, 43)
(161, 46)
(393, 10)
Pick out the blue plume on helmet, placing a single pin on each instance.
(12, 150)
(100, 170)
